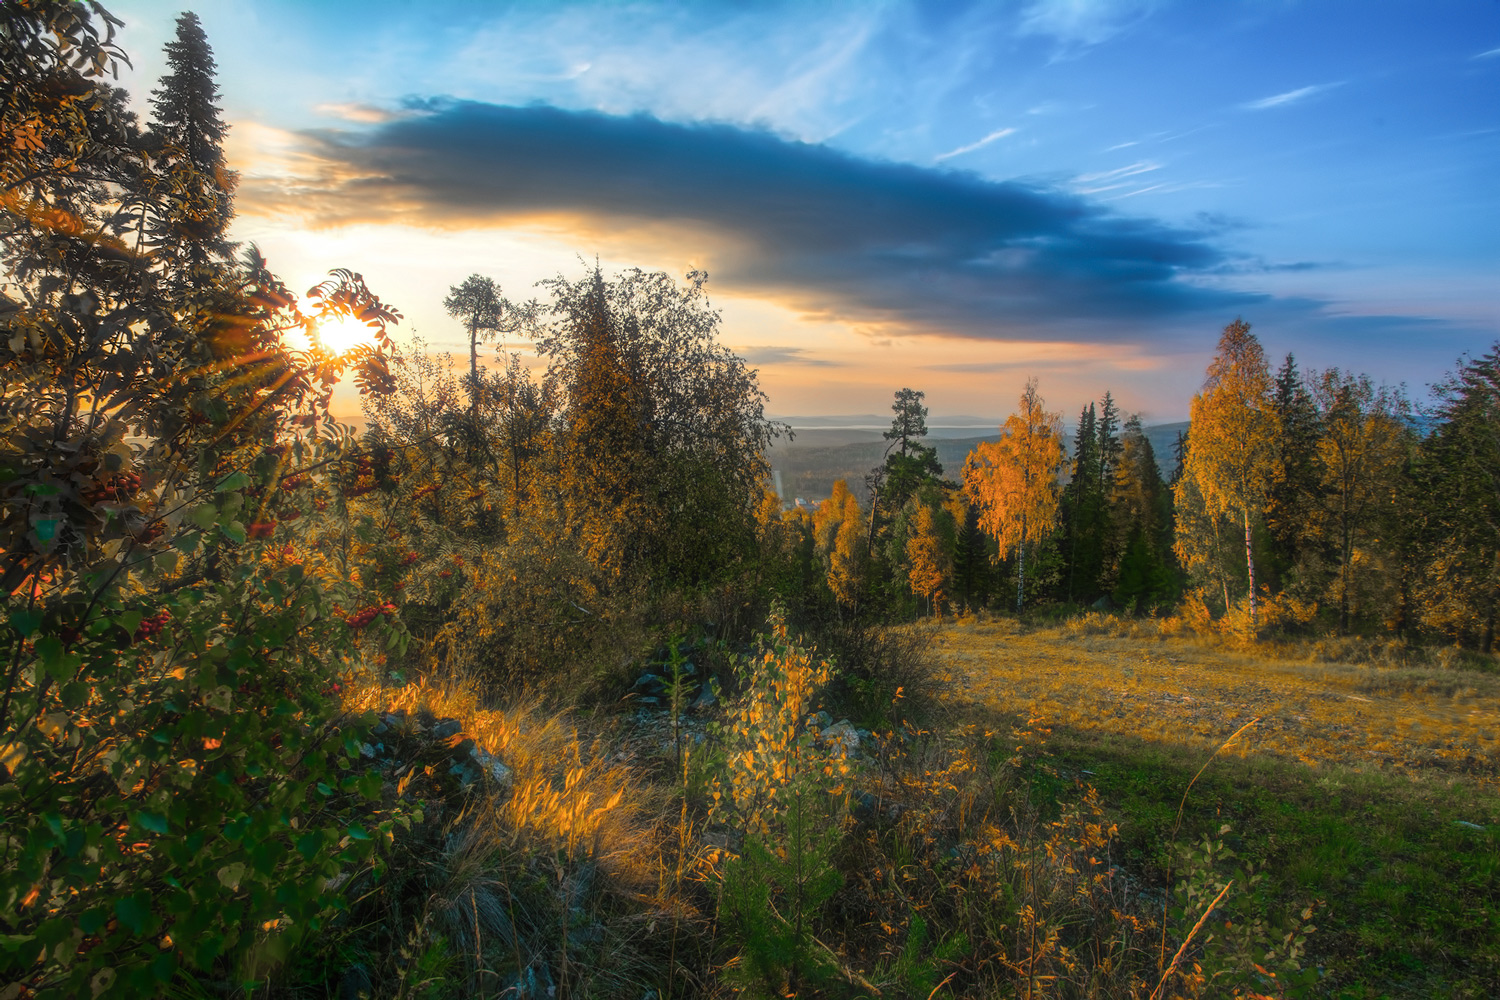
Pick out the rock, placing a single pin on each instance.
(820, 719)
(367, 750)
(649, 684)
(706, 699)
(447, 728)
(842, 733)
(648, 700)
(501, 775)
(864, 806)
(1103, 604)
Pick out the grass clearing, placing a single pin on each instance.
(1370, 790)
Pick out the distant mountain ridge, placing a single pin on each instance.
(818, 456)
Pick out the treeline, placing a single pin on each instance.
(1296, 502)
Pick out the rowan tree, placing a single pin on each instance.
(1234, 433)
(1013, 481)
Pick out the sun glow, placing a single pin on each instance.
(341, 334)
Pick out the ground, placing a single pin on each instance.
(1369, 792)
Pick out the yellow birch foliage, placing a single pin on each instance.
(839, 529)
(1013, 481)
(930, 558)
(769, 744)
(1233, 435)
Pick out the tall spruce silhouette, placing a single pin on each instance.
(188, 131)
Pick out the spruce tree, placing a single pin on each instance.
(187, 131)
(1293, 504)
(1077, 502)
(1141, 515)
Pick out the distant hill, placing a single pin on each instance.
(816, 457)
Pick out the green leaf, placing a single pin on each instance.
(357, 832)
(26, 622)
(155, 822)
(234, 531)
(203, 515)
(231, 874)
(134, 911)
(309, 844)
(232, 482)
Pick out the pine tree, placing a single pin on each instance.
(188, 132)
(478, 304)
(914, 465)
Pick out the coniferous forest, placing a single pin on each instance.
(532, 686)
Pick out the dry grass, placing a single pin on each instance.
(1176, 689)
(572, 880)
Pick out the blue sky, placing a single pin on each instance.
(947, 196)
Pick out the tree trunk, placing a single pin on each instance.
(1021, 575)
(1250, 566)
(474, 374)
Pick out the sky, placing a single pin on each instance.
(952, 197)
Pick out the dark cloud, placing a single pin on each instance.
(929, 250)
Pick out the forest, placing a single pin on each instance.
(529, 686)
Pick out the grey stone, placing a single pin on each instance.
(447, 728)
(844, 734)
(820, 719)
(498, 772)
(706, 699)
(649, 684)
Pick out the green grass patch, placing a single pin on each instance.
(1409, 890)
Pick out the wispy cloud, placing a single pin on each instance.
(1114, 180)
(1288, 97)
(1489, 54)
(1139, 167)
(961, 150)
(1123, 145)
(1083, 22)
(783, 356)
(364, 113)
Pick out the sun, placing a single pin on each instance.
(340, 334)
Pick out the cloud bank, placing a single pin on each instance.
(930, 250)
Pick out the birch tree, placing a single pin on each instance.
(1013, 481)
(1234, 434)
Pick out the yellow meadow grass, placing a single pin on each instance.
(1177, 689)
